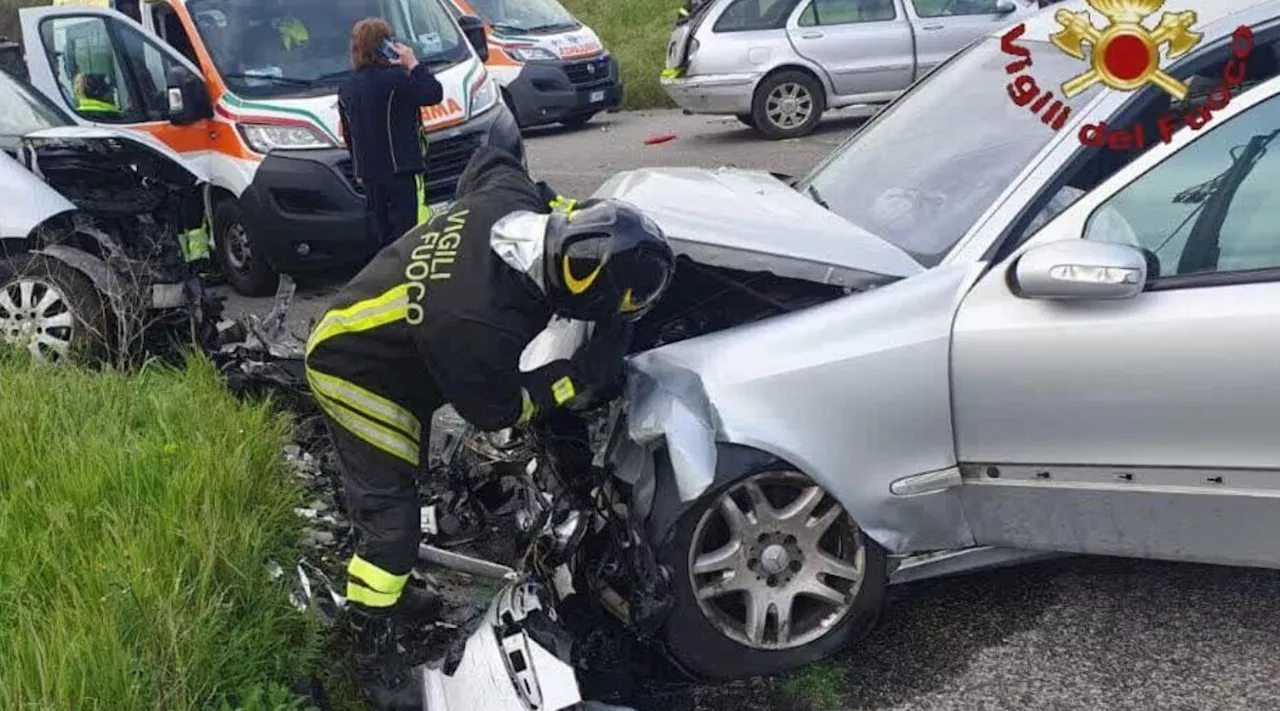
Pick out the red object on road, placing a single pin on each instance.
(660, 138)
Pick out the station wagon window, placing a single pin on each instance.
(1209, 208)
(845, 12)
(755, 15)
(89, 71)
(951, 8)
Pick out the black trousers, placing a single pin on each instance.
(382, 504)
(394, 206)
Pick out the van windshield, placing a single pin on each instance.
(922, 173)
(525, 15)
(273, 48)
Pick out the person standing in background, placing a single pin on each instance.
(380, 106)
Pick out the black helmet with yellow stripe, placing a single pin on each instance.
(606, 259)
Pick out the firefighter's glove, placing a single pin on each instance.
(600, 360)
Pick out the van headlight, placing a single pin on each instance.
(485, 96)
(533, 54)
(263, 138)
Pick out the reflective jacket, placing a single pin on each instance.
(439, 317)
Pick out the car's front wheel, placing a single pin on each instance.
(52, 311)
(770, 574)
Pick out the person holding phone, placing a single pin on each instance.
(380, 107)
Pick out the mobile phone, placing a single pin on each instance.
(389, 51)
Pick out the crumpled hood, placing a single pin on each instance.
(752, 221)
(93, 133)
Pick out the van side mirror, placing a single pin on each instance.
(188, 97)
(1004, 7)
(1080, 270)
(473, 28)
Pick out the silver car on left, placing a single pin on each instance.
(779, 64)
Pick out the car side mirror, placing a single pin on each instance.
(473, 28)
(188, 98)
(1080, 270)
(1004, 7)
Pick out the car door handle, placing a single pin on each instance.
(811, 35)
(930, 28)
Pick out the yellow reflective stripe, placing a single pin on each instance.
(376, 578)
(562, 390)
(370, 598)
(424, 209)
(389, 441)
(369, 404)
(364, 315)
(527, 408)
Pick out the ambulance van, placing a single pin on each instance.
(247, 91)
(552, 68)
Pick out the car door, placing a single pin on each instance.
(863, 45)
(105, 69)
(944, 27)
(1142, 426)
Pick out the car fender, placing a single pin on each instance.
(795, 61)
(106, 281)
(854, 393)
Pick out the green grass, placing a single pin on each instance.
(138, 514)
(818, 687)
(637, 32)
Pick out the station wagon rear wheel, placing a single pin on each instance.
(773, 574)
(788, 104)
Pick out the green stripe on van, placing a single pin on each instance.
(256, 105)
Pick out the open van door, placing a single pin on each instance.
(106, 70)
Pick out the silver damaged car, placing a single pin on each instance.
(1014, 341)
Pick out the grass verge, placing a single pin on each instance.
(138, 513)
(818, 687)
(636, 31)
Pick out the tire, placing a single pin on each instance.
(746, 120)
(578, 121)
(705, 636)
(53, 311)
(239, 257)
(774, 117)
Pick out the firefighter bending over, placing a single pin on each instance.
(440, 316)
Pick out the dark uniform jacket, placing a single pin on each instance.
(381, 112)
(439, 317)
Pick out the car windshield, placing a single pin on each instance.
(25, 111)
(525, 15)
(923, 172)
(271, 48)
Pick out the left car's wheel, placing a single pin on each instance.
(770, 574)
(52, 311)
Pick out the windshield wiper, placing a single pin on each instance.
(294, 81)
(812, 191)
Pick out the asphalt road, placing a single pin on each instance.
(1071, 635)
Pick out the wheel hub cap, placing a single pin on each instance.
(34, 315)
(777, 569)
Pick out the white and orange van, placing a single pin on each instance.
(247, 91)
(552, 68)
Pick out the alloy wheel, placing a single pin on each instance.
(776, 563)
(789, 105)
(35, 315)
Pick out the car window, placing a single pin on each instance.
(1202, 74)
(89, 70)
(151, 68)
(754, 15)
(845, 12)
(948, 8)
(1212, 206)
(170, 29)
